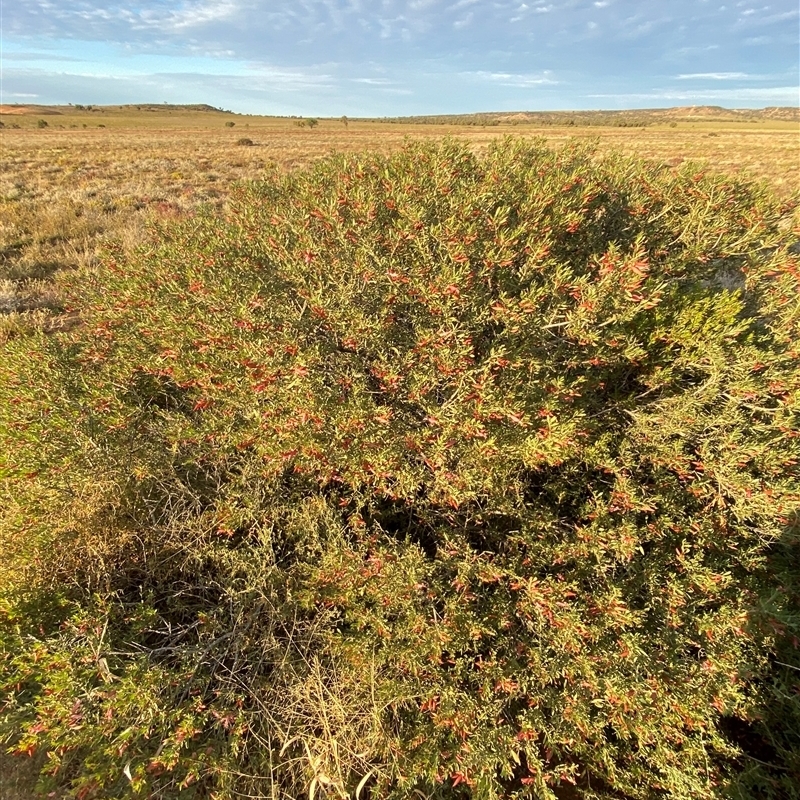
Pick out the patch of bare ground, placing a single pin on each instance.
(18, 776)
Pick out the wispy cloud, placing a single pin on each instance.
(516, 80)
(462, 4)
(40, 56)
(202, 13)
(766, 95)
(443, 55)
(761, 19)
(714, 76)
(384, 85)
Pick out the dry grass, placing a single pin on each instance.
(72, 186)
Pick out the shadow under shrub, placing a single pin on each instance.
(433, 475)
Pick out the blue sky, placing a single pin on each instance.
(397, 57)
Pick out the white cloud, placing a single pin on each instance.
(515, 80)
(452, 53)
(775, 95)
(16, 55)
(714, 76)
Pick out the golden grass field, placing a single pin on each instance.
(93, 176)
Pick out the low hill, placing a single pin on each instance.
(43, 110)
(170, 107)
(621, 118)
(605, 118)
(15, 110)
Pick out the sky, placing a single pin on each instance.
(401, 57)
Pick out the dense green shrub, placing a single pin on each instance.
(430, 475)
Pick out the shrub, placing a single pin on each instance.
(244, 142)
(229, 124)
(41, 123)
(430, 474)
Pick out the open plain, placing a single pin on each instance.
(74, 179)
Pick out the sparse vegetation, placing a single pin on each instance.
(472, 476)
(244, 142)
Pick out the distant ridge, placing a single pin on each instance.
(781, 112)
(168, 107)
(616, 118)
(622, 118)
(43, 110)
(717, 112)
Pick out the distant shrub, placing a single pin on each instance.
(439, 475)
(229, 124)
(244, 142)
(41, 123)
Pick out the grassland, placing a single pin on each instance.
(90, 176)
